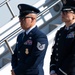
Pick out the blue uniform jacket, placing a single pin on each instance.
(63, 55)
(29, 53)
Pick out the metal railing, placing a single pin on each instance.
(9, 7)
(10, 49)
(4, 2)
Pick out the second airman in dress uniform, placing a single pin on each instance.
(28, 57)
(63, 55)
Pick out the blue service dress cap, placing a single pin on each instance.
(26, 9)
(68, 5)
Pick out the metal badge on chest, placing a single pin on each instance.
(26, 51)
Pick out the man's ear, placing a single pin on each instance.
(74, 16)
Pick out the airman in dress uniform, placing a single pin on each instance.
(63, 54)
(31, 44)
